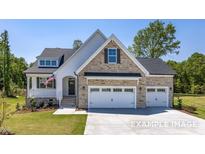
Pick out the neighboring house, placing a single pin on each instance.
(102, 73)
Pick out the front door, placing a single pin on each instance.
(71, 86)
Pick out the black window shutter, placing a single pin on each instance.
(105, 55)
(118, 56)
(37, 82)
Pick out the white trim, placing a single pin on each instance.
(167, 89)
(123, 87)
(85, 43)
(159, 75)
(111, 55)
(114, 38)
(111, 78)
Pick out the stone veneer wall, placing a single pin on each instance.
(126, 65)
(98, 65)
(154, 81)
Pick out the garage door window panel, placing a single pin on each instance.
(150, 90)
(161, 90)
(94, 90)
(128, 90)
(106, 90)
(117, 90)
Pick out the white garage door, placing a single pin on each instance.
(111, 97)
(157, 96)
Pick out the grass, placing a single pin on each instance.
(197, 101)
(45, 123)
(13, 101)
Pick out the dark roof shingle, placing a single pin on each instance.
(156, 66)
(51, 53)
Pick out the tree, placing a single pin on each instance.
(5, 51)
(77, 44)
(190, 76)
(156, 40)
(11, 68)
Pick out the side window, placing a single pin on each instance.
(30, 82)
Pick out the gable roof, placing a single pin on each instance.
(62, 53)
(119, 43)
(156, 66)
(83, 45)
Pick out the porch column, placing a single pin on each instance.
(28, 83)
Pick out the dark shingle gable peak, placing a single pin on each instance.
(156, 66)
(62, 53)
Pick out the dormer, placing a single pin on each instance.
(48, 62)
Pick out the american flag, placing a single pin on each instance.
(51, 78)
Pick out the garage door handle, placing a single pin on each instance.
(155, 99)
(111, 99)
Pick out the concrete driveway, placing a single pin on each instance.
(156, 121)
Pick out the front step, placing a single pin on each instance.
(68, 102)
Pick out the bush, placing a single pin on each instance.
(33, 105)
(24, 107)
(178, 103)
(18, 108)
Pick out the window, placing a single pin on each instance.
(48, 63)
(112, 55)
(42, 62)
(41, 83)
(53, 62)
(30, 82)
(150, 90)
(161, 90)
(128, 90)
(117, 90)
(106, 89)
(94, 89)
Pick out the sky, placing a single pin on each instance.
(28, 38)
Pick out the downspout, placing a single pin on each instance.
(77, 97)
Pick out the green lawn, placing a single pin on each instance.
(197, 101)
(45, 123)
(40, 123)
(13, 101)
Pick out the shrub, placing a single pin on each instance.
(24, 107)
(33, 105)
(50, 102)
(178, 103)
(18, 108)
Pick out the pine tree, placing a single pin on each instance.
(5, 50)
